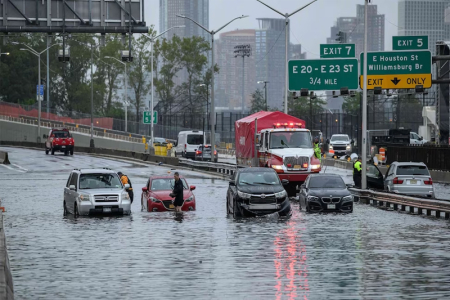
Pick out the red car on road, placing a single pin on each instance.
(59, 139)
(156, 194)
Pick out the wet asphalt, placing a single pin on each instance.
(369, 254)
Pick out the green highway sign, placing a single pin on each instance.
(397, 62)
(323, 74)
(148, 118)
(410, 42)
(337, 50)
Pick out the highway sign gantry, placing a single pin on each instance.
(337, 50)
(323, 74)
(148, 119)
(397, 69)
(410, 42)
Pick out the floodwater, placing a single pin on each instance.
(365, 255)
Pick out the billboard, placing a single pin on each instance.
(81, 16)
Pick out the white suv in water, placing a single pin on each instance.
(94, 191)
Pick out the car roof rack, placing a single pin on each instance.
(106, 168)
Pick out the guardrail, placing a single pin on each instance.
(223, 168)
(397, 202)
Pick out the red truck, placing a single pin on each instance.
(59, 139)
(282, 143)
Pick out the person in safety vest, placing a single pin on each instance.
(317, 151)
(357, 172)
(125, 180)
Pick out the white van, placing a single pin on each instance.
(188, 143)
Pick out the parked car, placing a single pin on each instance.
(59, 139)
(409, 178)
(256, 192)
(188, 143)
(204, 153)
(156, 194)
(341, 144)
(161, 141)
(92, 191)
(325, 193)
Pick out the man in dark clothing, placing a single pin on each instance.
(357, 172)
(177, 193)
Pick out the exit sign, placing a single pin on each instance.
(337, 50)
(147, 117)
(410, 42)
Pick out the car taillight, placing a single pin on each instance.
(215, 152)
(397, 181)
(429, 181)
(198, 152)
(305, 166)
(185, 146)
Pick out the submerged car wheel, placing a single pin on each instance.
(236, 211)
(64, 209)
(75, 211)
(71, 152)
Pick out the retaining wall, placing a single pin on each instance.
(19, 132)
(6, 282)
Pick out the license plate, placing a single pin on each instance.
(331, 206)
(413, 181)
(171, 206)
(297, 167)
(106, 209)
(63, 146)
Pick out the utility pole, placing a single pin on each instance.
(244, 51)
(364, 106)
(265, 92)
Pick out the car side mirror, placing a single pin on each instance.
(192, 187)
(232, 182)
(328, 141)
(420, 138)
(353, 141)
(303, 186)
(284, 182)
(349, 185)
(127, 186)
(145, 189)
(72, 187)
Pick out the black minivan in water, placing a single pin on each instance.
(257, 192)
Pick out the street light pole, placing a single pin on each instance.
(126, 89)
(92, 145)
(38, 54)
(364, 104)
(213, 114)
(152, 41)
(286, 16)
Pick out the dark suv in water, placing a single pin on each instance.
(256, 192)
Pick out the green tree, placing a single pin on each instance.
(352, 105)
(258, 101)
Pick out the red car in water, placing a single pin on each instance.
(59, 139)
(156, 194)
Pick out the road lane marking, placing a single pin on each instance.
(8, 167)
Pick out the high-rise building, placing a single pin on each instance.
(425, 17)
(229, 80)
(197, 10)
(353, 27)
(271, 58)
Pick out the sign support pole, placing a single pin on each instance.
(364, 105)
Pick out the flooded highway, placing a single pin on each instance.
(369, 254)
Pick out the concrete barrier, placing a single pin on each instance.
(6, 281)
(4, 158)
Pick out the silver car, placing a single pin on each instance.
(409, 178)
(94, 191)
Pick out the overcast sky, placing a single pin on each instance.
(309, 27)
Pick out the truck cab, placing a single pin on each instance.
(289, 151)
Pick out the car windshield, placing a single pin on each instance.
(159, 140)
(61, 134)
(339, 138)
(166, 184)
(195, 139)
(412, 170)
(99, 181)
(290, 139)
(260, 178)
(326, 182)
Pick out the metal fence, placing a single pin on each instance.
(434, 156)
